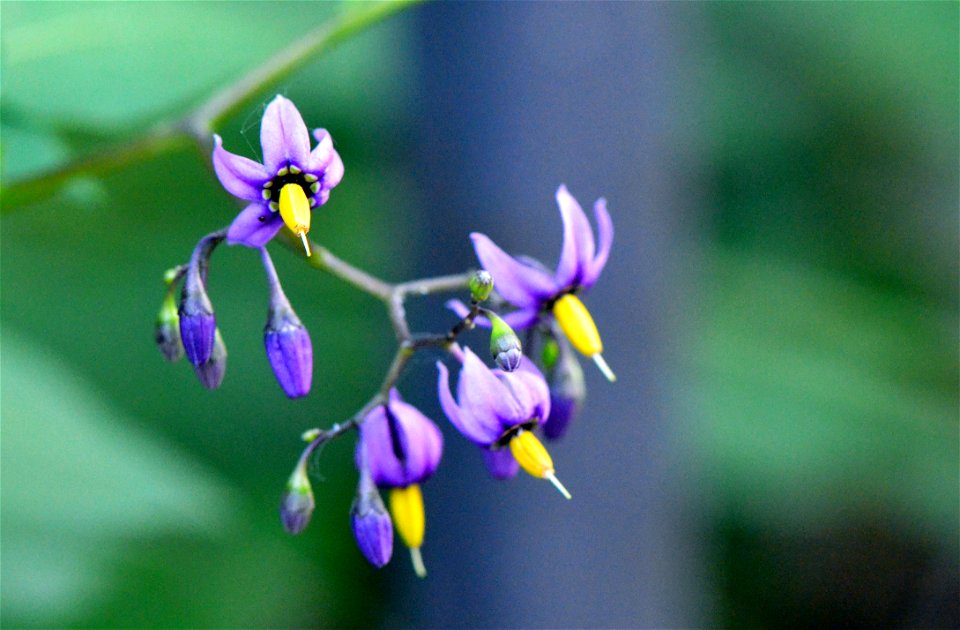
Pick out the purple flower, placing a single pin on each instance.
(535, 290)
(402, 445)
(291, 181)
(494, 405)
(496, 409)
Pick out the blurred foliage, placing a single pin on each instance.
(827, 350)
(140, 499)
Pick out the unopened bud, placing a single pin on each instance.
(197, 321)
(289, 350)
(372, 527)
(567, 393)
(211, 372)
(297, 503)
(167, 330)
(481, 284)
(504, 344)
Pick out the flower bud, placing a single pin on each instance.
(167, 330)
(567, 393)
(481, 285)
(372, 527)
(504, 344)
(289, 350)
(211, 372)
(297, 503)
(197, 321)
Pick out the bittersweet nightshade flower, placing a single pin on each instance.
(497, 409)
(291, 181)
(286, 339)
(402, 448)
(535, 291)
(371, 523)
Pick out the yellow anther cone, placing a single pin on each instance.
(534, 458)
(295, 211)
(578, 326)
(406, 506)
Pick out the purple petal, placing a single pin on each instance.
(254, 226)
(283, 136)
(418, 440)
(537, 392)
(519, 284)
(461, 418)
(333, 173)
(485, 397)
(605, 231)
(500, 463)
(578, 246)
(242, 177)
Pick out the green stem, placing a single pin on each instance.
(198, 124)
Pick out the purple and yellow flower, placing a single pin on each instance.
(401, 448)
(498, 411)
(536, 291)
(291, 181)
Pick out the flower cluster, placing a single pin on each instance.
(500, 407)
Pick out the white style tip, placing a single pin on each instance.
(550, 476)
(306, 243)
(602, 365)
(417, 561)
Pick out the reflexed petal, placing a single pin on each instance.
(578, 246)
(333, 173)
(461, 418)
(605, 232)
(501, 463)
(519, 284)
(322, 153)
(248, 228)
(536, 387)
(242, 177)
(485, 397)
(283, 136)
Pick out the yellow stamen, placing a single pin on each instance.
(578, 326)
(534, 458)
(295, 210)
(406, 506)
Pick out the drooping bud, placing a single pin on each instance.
(295, 211)
(212, 371)
(406, 506)
(534, 458)
(504, 343)
(481, 285)
(567, 393)
(197, 321)
(578, 326)
(371, 523)
(297, 503)
(167, 330)
(286, 340)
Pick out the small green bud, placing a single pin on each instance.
(550, 353)
(481, 284)
(167, 330)
(504, 343)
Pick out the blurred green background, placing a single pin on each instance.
(816, 361)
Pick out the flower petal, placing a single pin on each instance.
(333, 173)
(578, 246)
(518, 283)
(283, 136)
(254, 226)
(322, 153)
(500, 463)
(242, 177)
(461, 418)
(605, 231)
(486, 397)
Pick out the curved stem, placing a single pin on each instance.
(198, 124)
